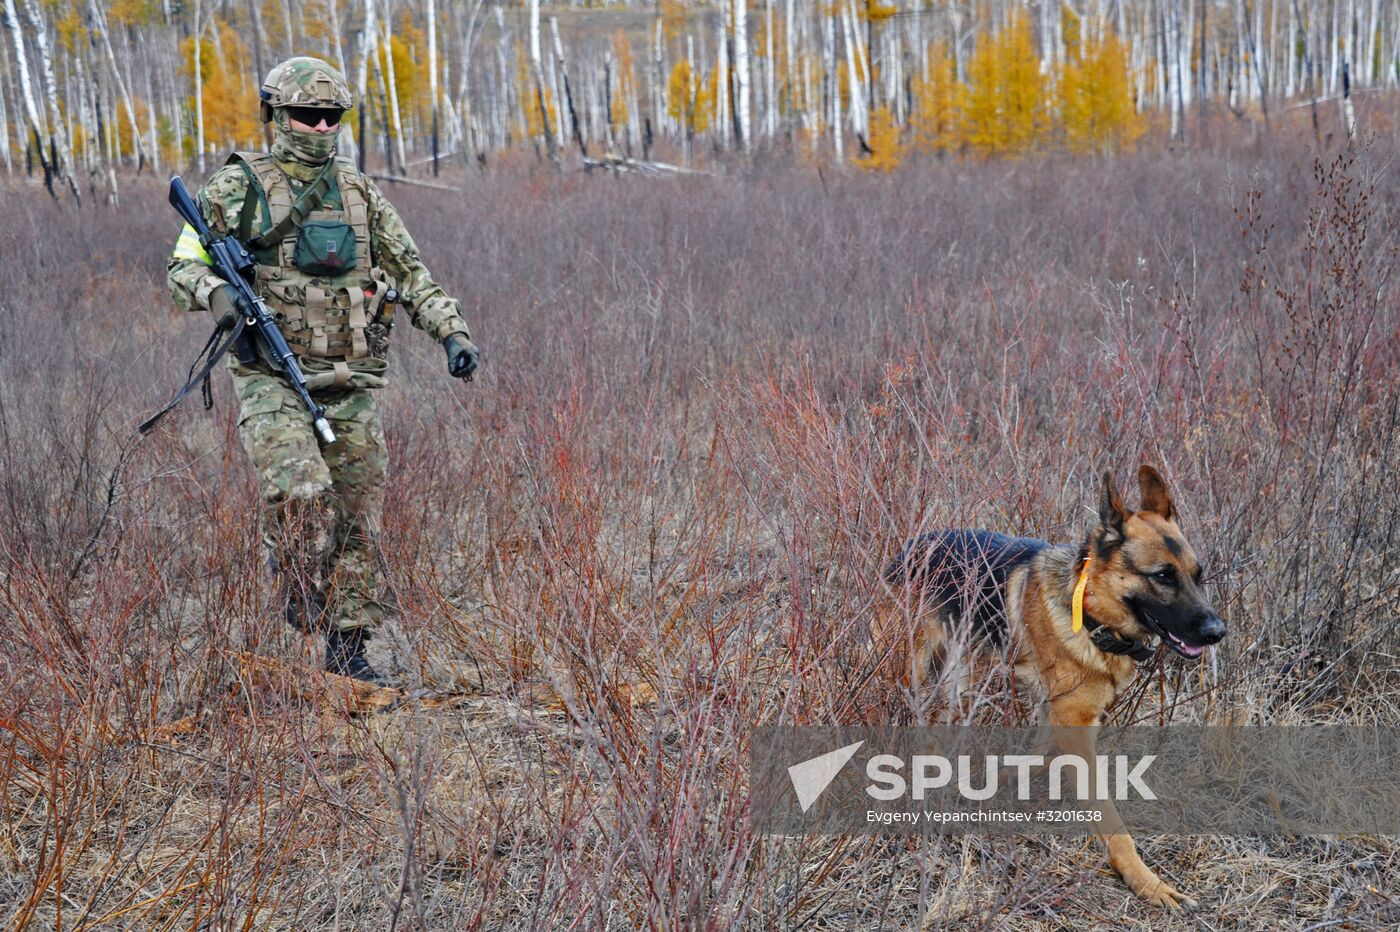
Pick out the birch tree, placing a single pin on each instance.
(59, 152)
(739, 29)
(369, 35)
(568, 90)
(5, 121)
(99, 19)
(537, 73)
(433, 77)
(198, 90)
(391, 88)
(110, 94)
(26, 90)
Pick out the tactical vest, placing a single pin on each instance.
(326, 306)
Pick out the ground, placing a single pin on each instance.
(710, 409)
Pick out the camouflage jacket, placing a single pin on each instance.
(221, 200)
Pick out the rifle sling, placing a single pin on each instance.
(211, 354)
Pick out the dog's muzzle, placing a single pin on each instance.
(1208, 630)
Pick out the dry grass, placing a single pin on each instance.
(710, 410)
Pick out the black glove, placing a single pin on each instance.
(462, 355)
(223, 301)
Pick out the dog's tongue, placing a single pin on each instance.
(1184, 648)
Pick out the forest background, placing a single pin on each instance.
(91, 86)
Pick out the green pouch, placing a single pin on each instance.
(325, 247)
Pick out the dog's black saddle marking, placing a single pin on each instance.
(964, 573)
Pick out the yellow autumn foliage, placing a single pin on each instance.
(707, 98)
(673, 18)
(1005, 111)
(533, 117)
(687, 104)
(878, 12)
(132, 12)
(886, 147)
(624, 77)
(120, 128)
(798, 99)
(274, 23)
(72, 31)
(316, 20)
(936, 119)
(1094, 96)
(410, 51)
(229, 90)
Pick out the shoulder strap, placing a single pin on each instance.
(245, 161)
(355, 204)
(275, 193)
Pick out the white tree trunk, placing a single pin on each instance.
(537, 74)
(26, 90)
(770, 125)
(1334, 46)
(833, 82)
(391, 89)
(857, 86)
(1290, 86)
(1373, 32)
(567, 107)
(691, 101)
(5, 123)
(369, 43)
(334, 13)
(791, 42)
(659, 116)
(287, 25)
(724, 83)
(151, 122)
(99, 18)
(741, 73)
(57, 127)
(433, 80)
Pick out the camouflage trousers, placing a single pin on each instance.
(321, 506)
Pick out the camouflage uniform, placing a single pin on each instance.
(321, 505)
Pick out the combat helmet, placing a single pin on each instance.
(303, 82)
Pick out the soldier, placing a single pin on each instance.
(331, 253)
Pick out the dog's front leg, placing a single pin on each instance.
(1122, 851)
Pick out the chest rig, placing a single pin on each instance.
(312, 257)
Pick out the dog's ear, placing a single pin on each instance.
(1111, 513)
(1155, 497)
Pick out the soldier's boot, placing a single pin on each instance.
(303, 602)
(345, 656)
(306, 610)
(297, 535)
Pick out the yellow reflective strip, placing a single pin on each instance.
(188, 246)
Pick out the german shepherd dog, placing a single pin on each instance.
(1137, 580)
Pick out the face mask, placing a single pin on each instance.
(312, 148)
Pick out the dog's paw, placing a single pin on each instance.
(1158, 892)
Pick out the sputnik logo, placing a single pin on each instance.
(811, 777)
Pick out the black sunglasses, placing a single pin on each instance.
(311, 116)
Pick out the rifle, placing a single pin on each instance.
(233, 264)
